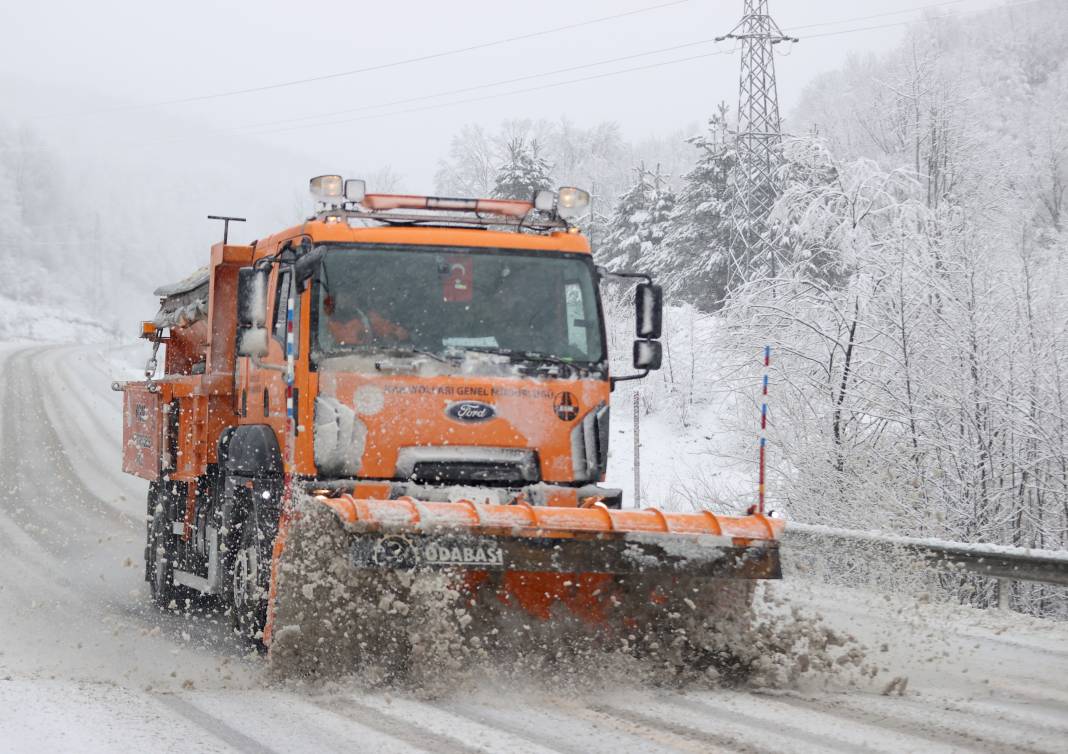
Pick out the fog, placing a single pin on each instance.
(134, 103)
(98, 68)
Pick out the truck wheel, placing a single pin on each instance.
(247, 591)
(159, 560)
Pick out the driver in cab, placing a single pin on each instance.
(352, 325)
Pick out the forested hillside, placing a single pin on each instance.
(914, 295)
(97, 213)
(919, 318)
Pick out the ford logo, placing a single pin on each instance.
(470, 411)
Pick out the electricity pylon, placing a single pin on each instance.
(759, 133)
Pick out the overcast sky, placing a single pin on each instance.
(69, 64)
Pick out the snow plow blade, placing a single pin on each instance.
(408, 534)
(350, 574)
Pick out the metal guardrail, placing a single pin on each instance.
(998, 561)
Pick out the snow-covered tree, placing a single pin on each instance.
(524, 172)
(692, 262)
(640, 223)
(805, 226)
(922, 389)
(594, 158)
(472, 164)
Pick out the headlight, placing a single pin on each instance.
(544, 200)
(572, 202)
(355, 189)
(326, 187)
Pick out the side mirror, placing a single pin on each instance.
(648, 354)
(252, 341)
(649, 311)
(252, 312)
(306, 266)
(251, 297)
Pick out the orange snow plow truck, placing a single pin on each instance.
(409, 387)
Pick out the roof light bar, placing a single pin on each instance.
(506, 207)
(337, 198)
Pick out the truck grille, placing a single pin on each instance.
(449, 464)
(471, 473)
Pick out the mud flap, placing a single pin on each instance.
(141, 431)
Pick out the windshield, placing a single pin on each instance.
(442, 300)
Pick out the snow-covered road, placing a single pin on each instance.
(88, 664)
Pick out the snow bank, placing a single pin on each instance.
(22, 321)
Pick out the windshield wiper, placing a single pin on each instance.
(419, 352)
(516, 355)
(365, 351)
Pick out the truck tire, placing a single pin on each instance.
(247, 590)
(160, 555)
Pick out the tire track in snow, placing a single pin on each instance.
(1025, 727)
(822, 740)
(436, 716)
(291, 722)
(928, 709)
(1052, 718)
(93, 447)
(70, 528)
(922, 723)
(227, 734)
(23, 496)
(44, 498)
(480, 716)
(403, 729)
(662, 732)
(25, 556)
(820, 720)
(1048, 697)
(40, 458)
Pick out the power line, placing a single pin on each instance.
(877, 15)
(502, 82)
(909, 21)
(406, 111)
(525, 90)
(392, 64)
(245, 129)
(453, 103)
(470, 48)
(862, 28)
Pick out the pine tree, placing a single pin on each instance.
(524, 172)
(622, 245)
(640, 222)
(693, 260)
(661, 210)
